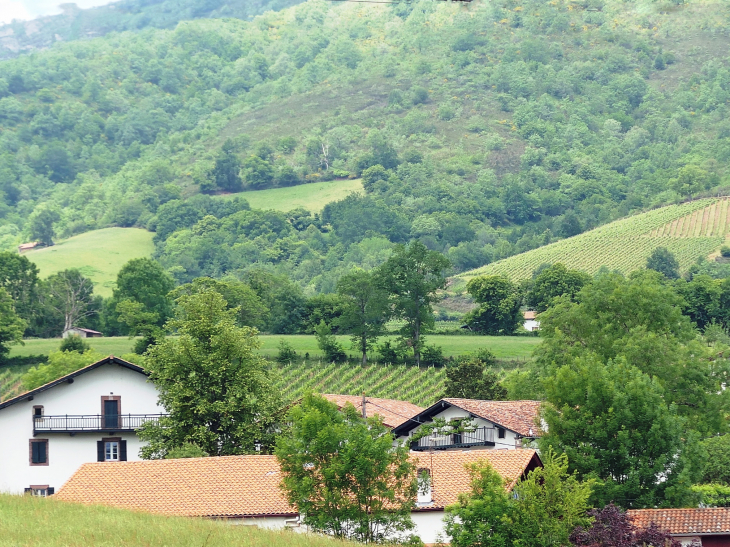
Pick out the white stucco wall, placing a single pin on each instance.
(65, 452)
(509, 442)
(429, 526)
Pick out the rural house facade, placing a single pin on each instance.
(245, 489)
(86, 416)
(701, 527)
(81, 332)
(502, 425)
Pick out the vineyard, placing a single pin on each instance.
(420, 386)
(689, 230)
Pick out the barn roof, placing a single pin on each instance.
(695, 521)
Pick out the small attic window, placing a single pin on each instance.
(500, 432)
(38, 411)
(425, 488)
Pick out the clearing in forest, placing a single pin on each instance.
(689, 230)
(312, 196)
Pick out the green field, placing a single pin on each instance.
(313, 196)
(98, 254)
(689, 230)
(31, 521)
(504, 347)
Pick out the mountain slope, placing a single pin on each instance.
(690, 230)
(484, 129)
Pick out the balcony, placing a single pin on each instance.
(481, 436)
(92, 423)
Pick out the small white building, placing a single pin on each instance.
(81, 332)
(530, 322)
(246, 489)
(87, 416)
(497, 425)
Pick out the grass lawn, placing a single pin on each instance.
(504, 347)
(313, 196)
(30, 521)
(98, 254)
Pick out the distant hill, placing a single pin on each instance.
(689, 231)
(99, 255)
(74, 23)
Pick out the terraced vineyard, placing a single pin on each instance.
(689, 230)
(419, 386)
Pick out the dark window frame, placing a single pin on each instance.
(31, 442)
(104, 399)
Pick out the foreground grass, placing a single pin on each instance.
(313, 196)
(28, 521)
(503, 347)
(98, 254)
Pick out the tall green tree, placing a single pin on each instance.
(226, 172)
(411, 277)
(614, 425)
(553, 281)
(717, 463)
(344, 473)
(216, 389)
(11, 325)
(40, 225)
(70, 295)
(499, 305)
(143, 280)
(472, 378)
(366, 309)
(19, 277)
(663, 261)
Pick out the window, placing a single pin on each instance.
(500, 432)
(37, 411)
(40, 490)
(110, 411)
(112, 449)
(39, 452)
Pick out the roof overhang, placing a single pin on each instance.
(69, 378)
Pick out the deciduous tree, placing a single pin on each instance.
(11, 326)
(499, 305)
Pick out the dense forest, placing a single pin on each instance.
(482, 130)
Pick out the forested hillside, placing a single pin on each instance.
(74, 23)
(482, 129)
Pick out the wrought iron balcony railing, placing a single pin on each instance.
(481, 436)
(92, 422)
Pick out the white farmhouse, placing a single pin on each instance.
(493, 424)
(530, 322)
(87, 416)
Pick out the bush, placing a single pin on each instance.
(389, 353)
(328, 344)
(433, 356)
(286, 352)
(725, 251)
(186, 450)
(75, 343)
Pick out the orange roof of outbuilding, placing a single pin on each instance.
(694, 521)
(392, 411)
(248, 486)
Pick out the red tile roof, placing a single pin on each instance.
(681, 522)
(248, 486)
(529, 315)
(449, 476)
(392, 411)
(518, 416)
(230, 486)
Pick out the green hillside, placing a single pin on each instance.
(62, 524)
(312, 197)
(99, 255)
(689, 231)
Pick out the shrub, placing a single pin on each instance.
(286, 352)
(389, 353)
(725, 251)
(328, 344)
(433, 356)
(75, 343)
(186, 450)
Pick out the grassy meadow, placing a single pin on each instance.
(690, 230)
(99, 255)
(313, 196)
(30, 521)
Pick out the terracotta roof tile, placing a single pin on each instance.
(247, 486)
(208, 487)
(517, 416)
(529, 315)
(449, 476)
(684, 521)
(392, 411)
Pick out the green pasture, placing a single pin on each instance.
(30, 521)
(313, 196)
(504, 347)
(98, 254)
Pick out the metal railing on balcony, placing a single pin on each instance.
(92, 422)
(481, 436)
